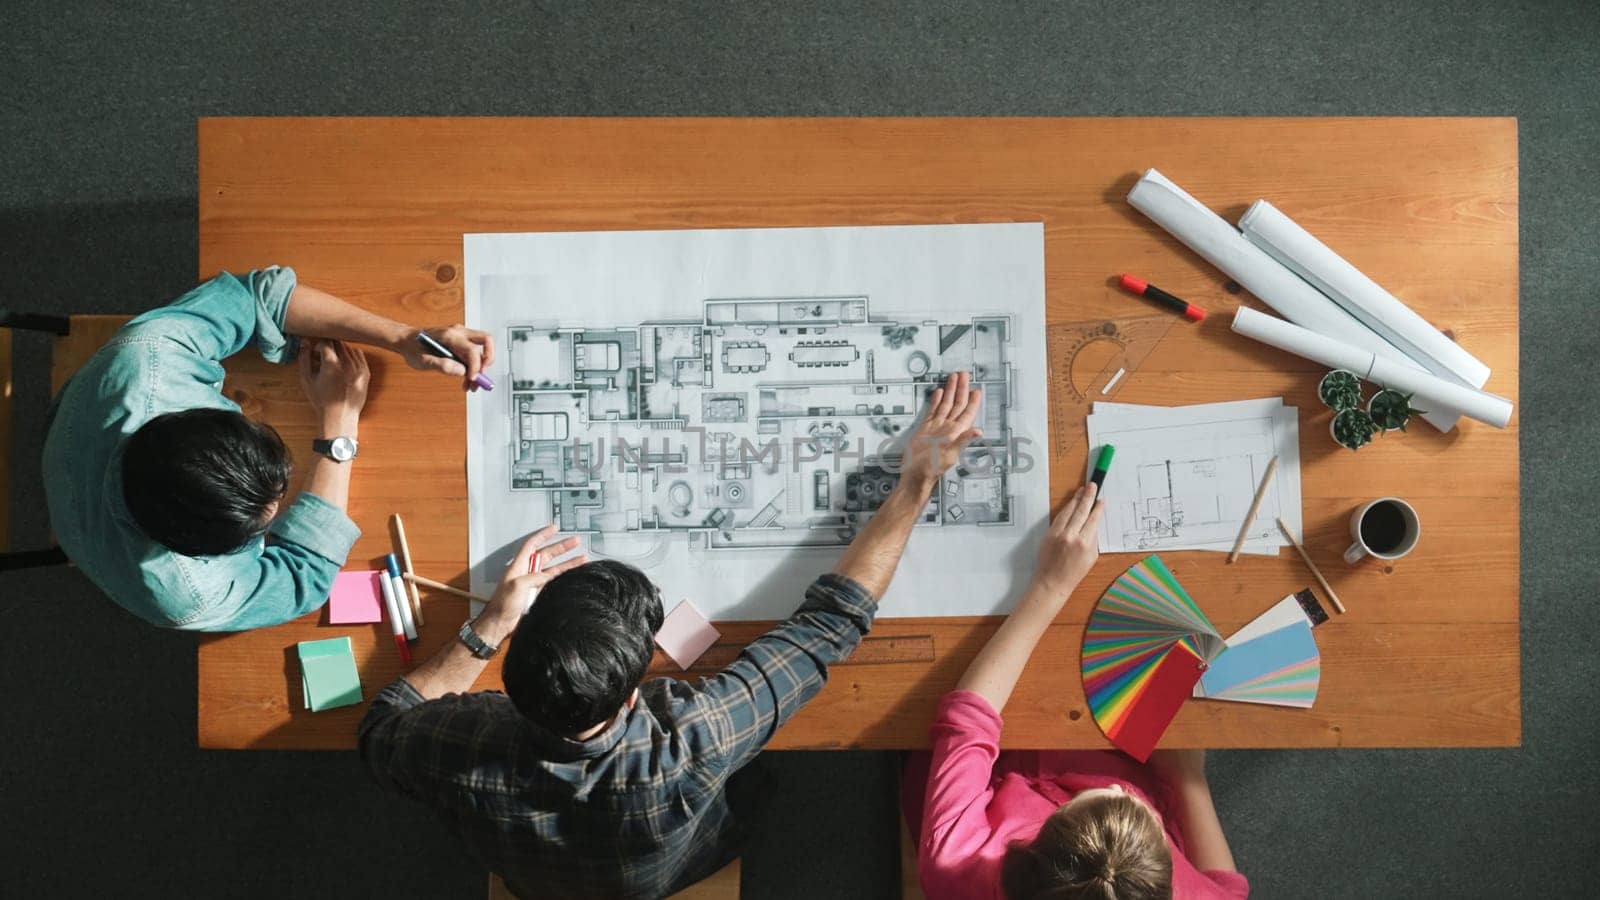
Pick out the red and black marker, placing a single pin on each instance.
(1146, 289)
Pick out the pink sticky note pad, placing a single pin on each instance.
(685, 634)
(355, 598)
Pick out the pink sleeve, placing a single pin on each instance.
(1229, 884)
(1213, 884)
(966, 740)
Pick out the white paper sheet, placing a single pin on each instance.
(1209, 235)
(1432, 392)
(820, 341)
(1183, 477)
(1285, 241)
(1283, 613)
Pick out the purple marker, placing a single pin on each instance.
(434, 348)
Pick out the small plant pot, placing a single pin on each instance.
(1340, 390)
(1391, 410)
(1352, 428)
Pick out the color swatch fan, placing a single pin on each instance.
(1273, 660)
(1146, 645)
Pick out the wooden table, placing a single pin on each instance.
(374, 210)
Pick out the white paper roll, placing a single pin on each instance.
(1209, 235)
(1285, 241)
(1431, 391)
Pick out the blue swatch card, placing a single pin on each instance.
(1258, 656)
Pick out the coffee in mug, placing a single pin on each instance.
(1386, 528)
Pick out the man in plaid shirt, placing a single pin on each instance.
(581, 781)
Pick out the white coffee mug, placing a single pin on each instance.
(1409, 531)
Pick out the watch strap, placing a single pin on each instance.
(474, 642)
(332, 447)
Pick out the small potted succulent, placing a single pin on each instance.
(1391, 410)
(1352, 428)
(1340, 389)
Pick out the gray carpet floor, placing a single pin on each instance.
(102, 792)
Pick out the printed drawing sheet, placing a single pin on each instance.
(725, 409)
(1183, 477)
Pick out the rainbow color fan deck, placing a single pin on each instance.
(1146, 645)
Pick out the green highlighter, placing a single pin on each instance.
(1101, 465)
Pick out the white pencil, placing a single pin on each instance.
(441, 586)
(1312, 566)
(405, 566)
(1250, 517)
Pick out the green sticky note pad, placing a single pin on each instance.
(328, 676)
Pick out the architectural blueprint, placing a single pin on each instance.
(730, 438)
(1183, 477)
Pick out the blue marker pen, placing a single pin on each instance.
(402, 598)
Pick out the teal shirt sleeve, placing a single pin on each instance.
(283, 578)
(227, 314)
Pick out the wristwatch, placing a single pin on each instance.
(479, 647)
(339, 449)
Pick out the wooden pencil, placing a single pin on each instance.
(1249, 517)
(405, 562)
(1312, 566)
(441, 586)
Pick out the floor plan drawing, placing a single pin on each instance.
(1191, 500)
(1184, 476)
(727, 409)
(769, 422)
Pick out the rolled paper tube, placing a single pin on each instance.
(1430, 390)
(1209, 235)
(1285, 241)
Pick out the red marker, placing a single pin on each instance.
(1146, 289)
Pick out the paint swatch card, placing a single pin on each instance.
(1158, 701)
(328, 675)
(686, 634)
(1260, 657)
(1273, 660)
(355, 598)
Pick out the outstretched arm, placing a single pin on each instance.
(1070, 548)
(780, 671)
(454, 669)
(1205, 844)
(315, 313)
(934, 447)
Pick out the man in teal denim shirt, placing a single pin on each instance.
(170, 360)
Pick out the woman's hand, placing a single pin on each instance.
(335, 375)
(530, 570)
(1072, 544)
(475, 348)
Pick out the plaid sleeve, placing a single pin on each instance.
(382, 733)
(746, 703)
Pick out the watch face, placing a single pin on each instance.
(342, 449)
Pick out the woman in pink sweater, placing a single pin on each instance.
(1037, 824)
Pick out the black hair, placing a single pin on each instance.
(199, 481)
(583, 647)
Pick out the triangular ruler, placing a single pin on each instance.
(1091, 361)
